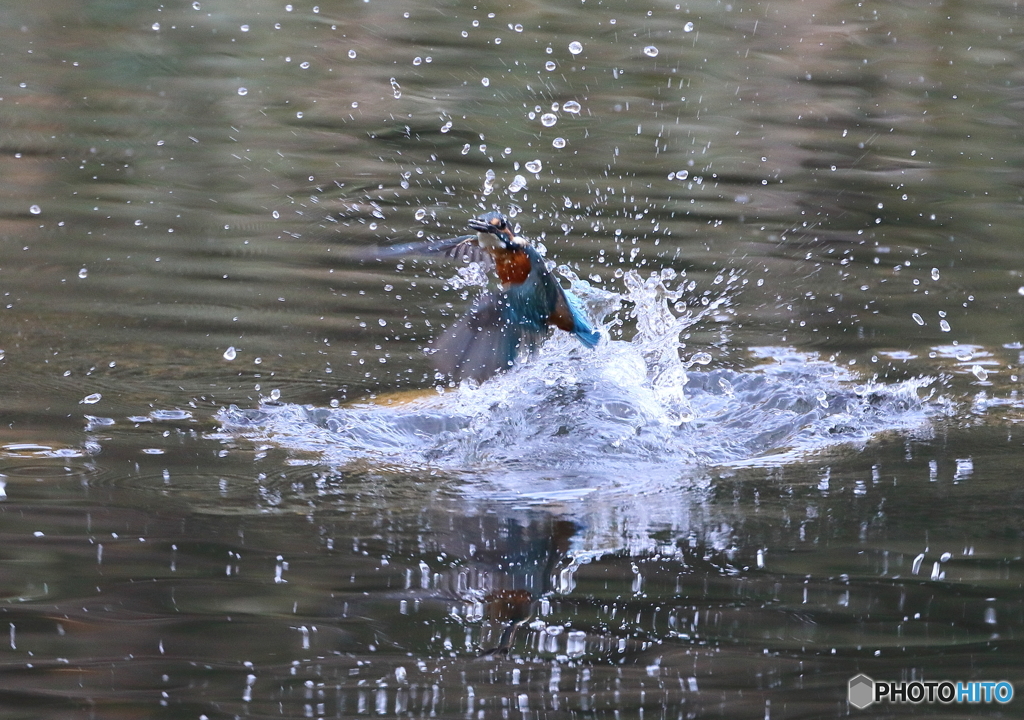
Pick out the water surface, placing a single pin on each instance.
(233, 486)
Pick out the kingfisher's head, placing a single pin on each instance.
(493, 231)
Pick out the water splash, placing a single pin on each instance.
(632, 408)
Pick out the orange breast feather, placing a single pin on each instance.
(512, 267)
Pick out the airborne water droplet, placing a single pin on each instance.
(935, 273)
(688, 27)
(534, 166)
(35, 209)
(91, 399)
(572, 107)
(918, 319)
(548, 119)
(550, 65)
(559, 142)
(517, 184)
(396, 88)
(575, 47)
(651, 51)
(230, 353)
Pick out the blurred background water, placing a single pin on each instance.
(232, 486)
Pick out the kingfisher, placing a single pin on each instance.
(502, 324)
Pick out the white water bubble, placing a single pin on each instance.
(465, 149)
(35, 209)
(572, 107)
(559, 142)
(548, 119)
(156, 26)
(486, 82)
(979, 372)
(575, 47)
(651, 51)
(688, 27)
(918, 319)
(196, 6)
(230, 353)
(91, 399)
(517, 184)
(417, 60)
(83, 273)
(944, 325)
(352, 54)
(550, 65)
(534, 166)
(304, 65)
(446, 127)
(396, 88)
(682, 174)
(935, 273)
(244, 28)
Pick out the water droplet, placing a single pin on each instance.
(420, 214)
(417, 60)
(688, 27)
(396, 88)
(979, 372)
(572, 107)
(534, 166)
(517, 184)
(682, 174)
(156, 26)
(83, 273)
(550, 65)
(465, 151)
(548, 119)
(35, 209)
(944, 325)
(244, 28)
(91, 399)
(243, 91)
(352, 54)
(559, 142)
(275, 394)
(275, 214)
(195, 6)
(575, 47)
(486, 82)
(304, 65)
(446, 127)
(518, 27)
(230, 353)
(651, 51)
(918, 319)
(935, 273)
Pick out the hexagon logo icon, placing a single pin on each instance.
(861, 691)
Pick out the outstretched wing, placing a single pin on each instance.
(485, 341)
(464, 247)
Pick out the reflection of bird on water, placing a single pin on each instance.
(503, 324)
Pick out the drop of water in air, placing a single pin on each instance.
(651, 51)
(243, 91)
(559, 142)
(548, 119)
(35, 209)
(396, 88)
(688, 27)
(486, 82)
(230, 353)
(918, 319)
(572, 107)
(534, 166)
(83, 273)
(550, 65)
(352, 54)
(935, 273)
(575, 47)
(517, 184)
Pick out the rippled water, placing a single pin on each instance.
(231, 485)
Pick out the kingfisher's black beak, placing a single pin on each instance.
(484, 226)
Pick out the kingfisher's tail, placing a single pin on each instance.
(582, 327)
